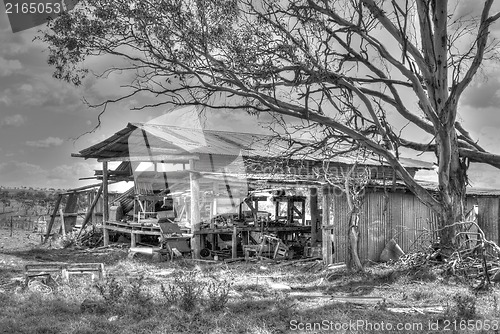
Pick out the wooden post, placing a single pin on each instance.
(63, 226)
(53, 217)
(213, 211)
(326, 228)
(234, 243)
(195, 210)
(11, 226)
(105, 197)
(96, 206)
(313, 204)
(91, 209)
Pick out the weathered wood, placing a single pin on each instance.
(70, 212)
(53, 217)
(313, 204)
(156, 157)
(234, 243)
(326, 232)
(90, 210)
(84, 188)
(105, 197)
(63, 223)
(289, 263)
(195, 210)
(359, 300)
(213, 212)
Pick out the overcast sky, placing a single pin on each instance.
(40, 117)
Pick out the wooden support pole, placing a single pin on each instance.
(53, 217)
(105, 197)
(313, 204)
(91, 209)
(63, 225)
(195, 210)
(326, 228)
(303, 220)
(234, 243)
(213, 212)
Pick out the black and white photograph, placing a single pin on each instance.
(249, 166)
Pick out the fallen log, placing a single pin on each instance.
(289, 263)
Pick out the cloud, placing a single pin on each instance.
(16, 173)
(45, 93)
(73, 171)
(8, 67)
(13, 120)
(482, 95)
(46, 143)
(11, 168)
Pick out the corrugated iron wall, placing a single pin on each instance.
(384, 216)
(488, 217)
(400, 215)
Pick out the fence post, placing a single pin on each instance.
(11, 226)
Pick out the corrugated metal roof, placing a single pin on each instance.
(149, 139)
(483, 192)
(472, 191)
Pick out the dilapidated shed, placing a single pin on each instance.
(206, 174)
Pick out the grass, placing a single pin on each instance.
(141, 296)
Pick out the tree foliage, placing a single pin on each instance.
(352, 72)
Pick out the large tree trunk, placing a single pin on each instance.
(452, 177)
(353, 261)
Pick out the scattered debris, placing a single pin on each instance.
(290, 263)
(52, 271)
(359, 300)
(39, 286)
(336, 266)
(308, 294)
(391, 252)
(279, 286)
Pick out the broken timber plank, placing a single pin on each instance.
(359, 300)
(289, 263)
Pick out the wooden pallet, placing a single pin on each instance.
(64, 270)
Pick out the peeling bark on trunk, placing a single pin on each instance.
(354, 197)
(452, 178)
(354, 263)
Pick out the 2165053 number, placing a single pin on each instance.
(33, 8)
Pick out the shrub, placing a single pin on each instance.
(217, 294)
(465, 305)
(138, 293)
(190, 290)
(111, 290)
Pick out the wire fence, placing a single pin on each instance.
(26, 223)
